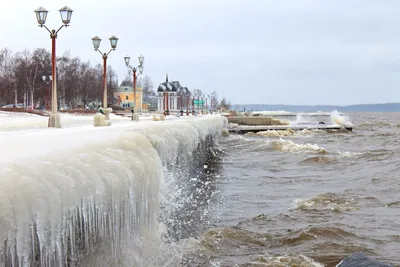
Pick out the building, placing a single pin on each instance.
(176, 94)
(124, 97)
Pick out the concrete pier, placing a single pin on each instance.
(242, 129)
(261, 120)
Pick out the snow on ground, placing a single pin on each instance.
(18, 121)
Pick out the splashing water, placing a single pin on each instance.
(340, 119)
(301, 118)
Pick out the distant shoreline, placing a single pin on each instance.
(387, 107)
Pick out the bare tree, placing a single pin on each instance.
(21, 78)
(128, 80)
(66, 77)
(39, 61)
(22, 72)
(112, 84)
(18, 67)
(6, 93)
(225, 104)
(149, 96)
(147, 85)
(197, 93)
(213, 100)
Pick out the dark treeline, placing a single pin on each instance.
(78, 82)
(21, 79)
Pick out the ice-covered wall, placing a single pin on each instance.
(68, 193)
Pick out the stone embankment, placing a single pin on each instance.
(255, 121)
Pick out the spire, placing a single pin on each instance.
(166, 78)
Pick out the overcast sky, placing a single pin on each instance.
(336, 52)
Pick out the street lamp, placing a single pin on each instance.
(96, 44)
(41, 15)
(133, 70)
(48, 93)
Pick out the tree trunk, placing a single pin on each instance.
(15, 96)
(32, 103)
(25, 96)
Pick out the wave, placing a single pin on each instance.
(339, 131)
(290, 146)
(310, 246)
(327, 201)
(273, 133)
(371, 155)
(319, 160)
(244, 144)
(376, 124)
(285, 133)
(395, 204)
(284, 261)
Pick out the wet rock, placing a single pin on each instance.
(359, 259)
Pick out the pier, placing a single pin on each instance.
(242, 129)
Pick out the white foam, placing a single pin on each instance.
(340, 119)
(290, 146)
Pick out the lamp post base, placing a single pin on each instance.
(102, 118)
(54, 120)
(135, 117)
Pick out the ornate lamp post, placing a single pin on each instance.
(48, 93)
(96, 43)
(41, 15)
(187, 105)
(133, 70)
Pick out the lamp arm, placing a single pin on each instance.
(131, 69)
(42, 25)
(99, 51)
(64, 25)
(112, 49)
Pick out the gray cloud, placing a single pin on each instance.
(254, 51)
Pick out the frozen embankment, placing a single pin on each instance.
(19, 121)
(70, 192)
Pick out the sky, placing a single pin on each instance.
(294, 52)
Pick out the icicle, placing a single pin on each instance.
(86, 194)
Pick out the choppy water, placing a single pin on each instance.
(285, 198)
(305, 198)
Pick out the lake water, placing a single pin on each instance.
(144, 198)
(306, 198)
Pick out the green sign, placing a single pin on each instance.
(198, 102)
